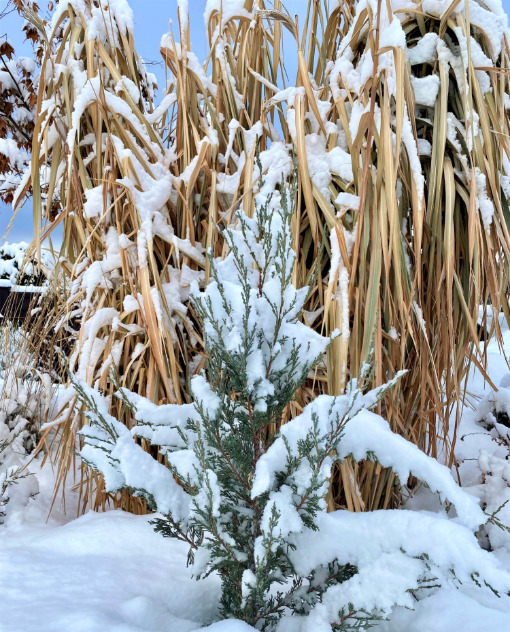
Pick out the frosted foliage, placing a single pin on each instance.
(391, 562)
(15, 269)
(493, 485)
(23, 402)
(251, 310)
(100, 17)
(266, 310)
(111, 448)
(365, 435)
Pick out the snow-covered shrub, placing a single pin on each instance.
(25, 396)
(494, 493)
(249, 498)
(14, 269)
(18, 410)
(16, 484)
(493, 413)
(493, 487)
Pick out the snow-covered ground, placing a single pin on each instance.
(100, 572)
(111, 572)
(97, 573)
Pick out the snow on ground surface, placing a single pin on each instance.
(102, 572)
(111, 573)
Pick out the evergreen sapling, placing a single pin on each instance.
(257, 354)
(242, 492)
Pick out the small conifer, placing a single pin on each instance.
(257, 355)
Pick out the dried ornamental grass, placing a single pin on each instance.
(399, 125)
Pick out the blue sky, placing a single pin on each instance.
(152, 20)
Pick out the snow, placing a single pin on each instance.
(162, 108)
(77, 576)
(424, 147)
(483, 202)
(392, 35)
(343, 535)
(99, 18)
(494, 493)
(491, 19)
(88, 348)
(93, 206)
(151, 588)
(393, 334)
(90, 93)
(446, 611)
(425, 89)
(192, 62)
(424, 51)
(96, 275)
(348, 200)
(228, 8)
(478, 58)
(126, 85)
(322, 163)
(183, 13)
(413, 155)
(231, 625)
(17, 157)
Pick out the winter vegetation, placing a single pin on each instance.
(17, 270)
(263, 383)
